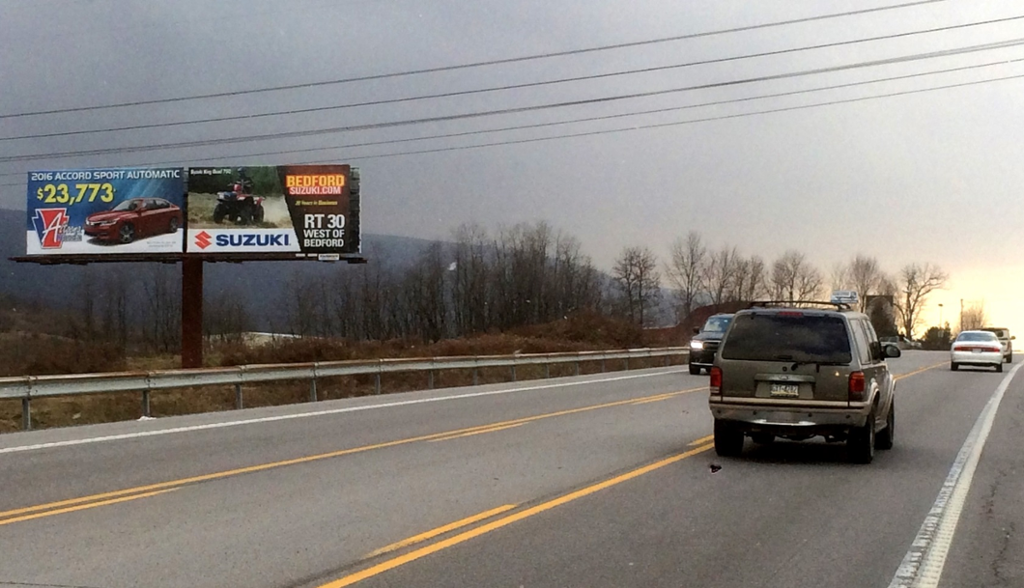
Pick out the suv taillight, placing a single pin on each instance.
(857, 387)
(716, 380)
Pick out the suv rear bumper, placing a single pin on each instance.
(809, 419)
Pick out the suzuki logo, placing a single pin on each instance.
(203, 240)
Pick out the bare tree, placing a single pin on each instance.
(794, 279)
(839, 277)
(973, 317)
(720, 273)
(469, 284)
(686, 271)
(748, 279)
(301, 299)
(116, 311)
(639, 283)
(915, 283)
(575, 283)
(161, 307)
(757, 280)
(865, 277)
(424, 293)
(225, 315)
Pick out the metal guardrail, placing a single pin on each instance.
(27, 388)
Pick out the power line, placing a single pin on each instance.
(515, 110)
(689, 122)
(593, 118)
(627, 129)
(473, 64)
(511, 86)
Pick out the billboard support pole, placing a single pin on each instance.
(191, 312)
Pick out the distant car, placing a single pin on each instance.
(133, 219)
(892, 340)
(976, 348)
(900, 341)
(796, 371)
(1005, 340)
(706, 341)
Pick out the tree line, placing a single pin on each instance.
(481, 281)
(700, 274)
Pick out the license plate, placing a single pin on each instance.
(786, 390)
(976, 350)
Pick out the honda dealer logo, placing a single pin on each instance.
(50, 225)
(203, 240)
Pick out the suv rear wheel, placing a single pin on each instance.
(728, 439)
(861, 443)
(884, 439)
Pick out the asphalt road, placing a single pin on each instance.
(592, 481)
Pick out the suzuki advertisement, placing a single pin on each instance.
(100, 211)
(308, 210)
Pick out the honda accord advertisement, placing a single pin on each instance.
(308, 210)
(97, 211)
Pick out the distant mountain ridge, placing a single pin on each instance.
(261, 282)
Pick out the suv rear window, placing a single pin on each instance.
(788, 337)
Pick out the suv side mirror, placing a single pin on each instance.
(696, 330)
(891, 351)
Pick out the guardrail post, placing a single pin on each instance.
(476, 376)
(376, 383)
(26, 414)
(547, 370)
(238, 397)
(312, 390)
(626, 362)
(513, 372)
(430, 379)
(577, 367)
(602, 366)
(145, 403)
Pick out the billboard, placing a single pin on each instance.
(303, 210)
(103, 211)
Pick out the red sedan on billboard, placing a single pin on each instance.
(133, 219)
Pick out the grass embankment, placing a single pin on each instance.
(41, 354)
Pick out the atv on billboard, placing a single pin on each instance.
(100, 211)
(305, 210)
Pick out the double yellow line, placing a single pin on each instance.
(700, 446)
(75, 504)
(493, 525)
(150, 490)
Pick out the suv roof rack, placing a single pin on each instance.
(799, 304)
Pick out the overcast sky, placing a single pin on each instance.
(929, 177)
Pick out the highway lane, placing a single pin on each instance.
(313, 521)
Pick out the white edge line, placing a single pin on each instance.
(923, 563)
(123, 436)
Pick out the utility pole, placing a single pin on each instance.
(961, 314)
(940, 315)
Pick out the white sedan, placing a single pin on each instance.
(979, 348)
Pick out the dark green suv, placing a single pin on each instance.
(800, 370)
